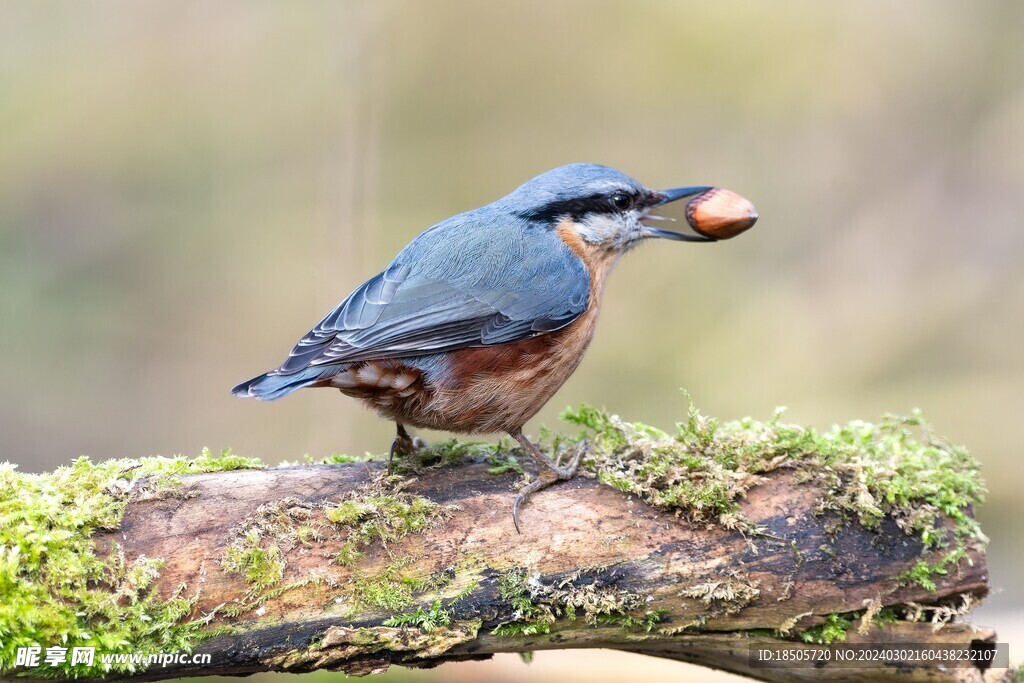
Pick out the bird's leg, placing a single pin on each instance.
(547, 473)
(404, 444)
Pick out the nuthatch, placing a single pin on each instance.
(481, 318)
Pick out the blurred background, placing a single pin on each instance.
(186, 188)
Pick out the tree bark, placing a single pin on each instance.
(593, 568)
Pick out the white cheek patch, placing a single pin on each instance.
(611, 230)
(600, 229)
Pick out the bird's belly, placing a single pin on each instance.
(487, 388)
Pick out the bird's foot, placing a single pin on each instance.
(404, 445)
(547, 474)
(569, 471)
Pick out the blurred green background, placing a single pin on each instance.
(186, 188)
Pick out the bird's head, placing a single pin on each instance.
(608, 209)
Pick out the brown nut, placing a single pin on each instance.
(720, 213)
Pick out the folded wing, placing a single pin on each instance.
(486, 288)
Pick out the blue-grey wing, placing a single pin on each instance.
(452, 288)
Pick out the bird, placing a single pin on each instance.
(476, 324)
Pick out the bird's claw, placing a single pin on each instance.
(569, 471)
(558, 457)
(547, 475)
(404, 445)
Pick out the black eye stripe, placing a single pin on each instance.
(578, 207)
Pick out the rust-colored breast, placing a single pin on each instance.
(499, 388)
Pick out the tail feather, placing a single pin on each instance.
(270, 387)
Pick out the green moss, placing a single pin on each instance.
(901, 469)
(647, 622)
(262, 567)
(528, 619)
(520, 628)
(762, 633)
(255, 598)
(348, 554)
(384, 592)
(260, 541)
(923, 573)
(464, 593)
(833, 630)
(512, 588)
(377, 512)
(897, 468)
(392, 590)
(696, 471)
(425, 620)
(887, 615)
(58, 591)
(343, 459)
(452, 452)
(206, 462)
(837, 625)
(307, 534)
(536, 606)
(371, 515)
(796, 551)
(503, 462)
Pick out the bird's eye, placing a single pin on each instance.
(622, 201)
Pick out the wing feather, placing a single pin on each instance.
(470, 281)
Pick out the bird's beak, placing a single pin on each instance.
(672, 195)
(714, 213)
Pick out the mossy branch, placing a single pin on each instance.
(695, 545)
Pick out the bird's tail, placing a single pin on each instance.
(269, 387)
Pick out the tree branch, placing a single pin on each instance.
(619, 563)
(342, 567)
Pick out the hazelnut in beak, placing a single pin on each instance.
(714, 213)
(720, 214)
